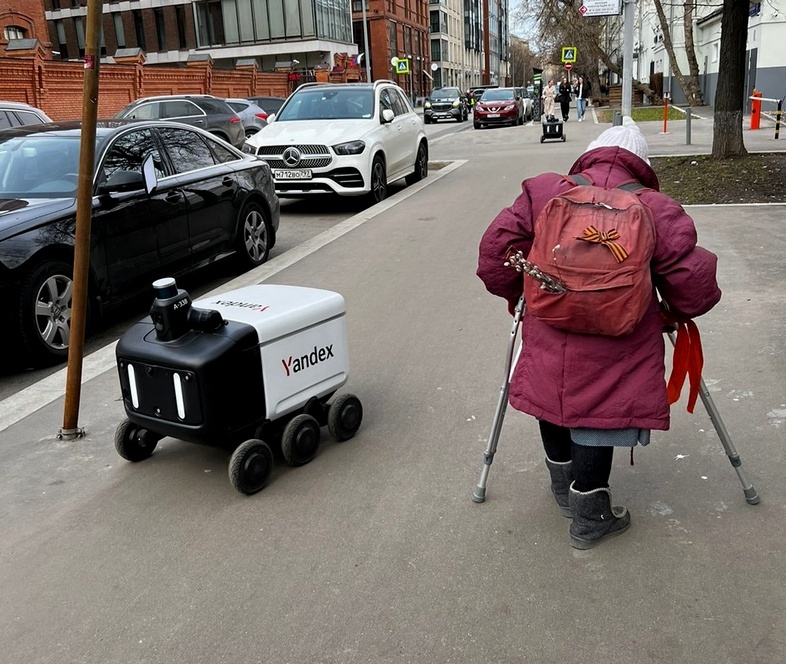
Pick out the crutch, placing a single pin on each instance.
(479, 495)
(751, 495)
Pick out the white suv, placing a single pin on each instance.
(351, 139)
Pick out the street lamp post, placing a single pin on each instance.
(365, 40)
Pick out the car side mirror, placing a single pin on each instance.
(122, 181)
(387, 116)
(149, 174)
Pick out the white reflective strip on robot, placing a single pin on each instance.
(179, 400)
(132, 383)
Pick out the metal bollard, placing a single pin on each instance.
(687, 126)
(778, 119)
(616, 119)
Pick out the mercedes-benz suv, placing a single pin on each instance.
(445, 104)
(350, 139)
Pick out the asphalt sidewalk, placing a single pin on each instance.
(374, 552)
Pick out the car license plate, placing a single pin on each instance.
(493, 115)
(302, 174)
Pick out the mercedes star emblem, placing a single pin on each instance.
(291, 157)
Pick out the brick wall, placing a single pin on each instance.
(56, 87)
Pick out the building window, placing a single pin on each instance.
(436, 52)
(120, 34)
(139, 28)
(61, 38)
(210, 24)
(13, 32)
(393, 40)
(180, 19)
(357, 6)
(158, 12)
(79, 28)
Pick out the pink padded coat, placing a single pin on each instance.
(593, 381)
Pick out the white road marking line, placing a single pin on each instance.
(49, 389)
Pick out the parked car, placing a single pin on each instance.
(526, 99)
(350, 139)
(445, 104)
(168, 198)
(270, 104)
(16, 114)
(498, 106)
(203, 111)
(478, 90)
(252, 115)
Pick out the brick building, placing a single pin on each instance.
(23, 20)
(396, 29)
(274, 35)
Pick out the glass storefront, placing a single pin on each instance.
(230, 22)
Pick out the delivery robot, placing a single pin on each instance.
(237, 370)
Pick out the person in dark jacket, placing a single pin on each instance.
(592, 393)
(563, 96)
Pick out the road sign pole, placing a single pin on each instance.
(628, 15)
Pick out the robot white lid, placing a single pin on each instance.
(276, 311)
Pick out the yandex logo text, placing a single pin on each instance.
(294, 365)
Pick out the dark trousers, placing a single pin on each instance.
(565, 108)
(591, 465)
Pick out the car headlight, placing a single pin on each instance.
(353, 147)
(427, 104)
(248, 149)
(509, 108)
(457, 103)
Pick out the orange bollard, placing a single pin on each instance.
(755, 110)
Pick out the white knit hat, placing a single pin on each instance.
(629, 138)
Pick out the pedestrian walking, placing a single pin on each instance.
(593, 392)
(583, 92)
(563, 96)
(549, 95)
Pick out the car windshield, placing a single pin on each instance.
(445, 94)
(498, 95)
(39, 166)
(329, 104)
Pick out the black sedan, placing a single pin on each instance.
(167, 199)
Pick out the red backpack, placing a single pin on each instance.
(598, 244)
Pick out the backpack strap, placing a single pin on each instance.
(579, 180)
(633, 187)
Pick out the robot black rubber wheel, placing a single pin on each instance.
(250, 466)
(134, 443)
(300, 440)
(345, 416)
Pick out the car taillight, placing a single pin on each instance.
(234, 118)
(261, 116)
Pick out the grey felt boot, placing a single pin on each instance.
(561, 479)
(594, 519)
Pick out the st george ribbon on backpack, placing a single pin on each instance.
(599, 243)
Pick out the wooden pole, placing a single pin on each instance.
(84, 210)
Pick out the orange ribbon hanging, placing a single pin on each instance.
(688, 361)
(592, 234)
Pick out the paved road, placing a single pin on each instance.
(373, 552)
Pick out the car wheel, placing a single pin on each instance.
(476, 125)
(421, 166)
(378, 181)
(44, 310)
(255, 235)
(251, 132)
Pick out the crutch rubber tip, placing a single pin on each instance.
(752, 496)
(479, 495)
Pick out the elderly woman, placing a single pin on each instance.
(549, 95)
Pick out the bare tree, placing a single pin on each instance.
(690, 86)
(729, 97)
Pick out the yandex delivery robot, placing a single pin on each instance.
(237, 370)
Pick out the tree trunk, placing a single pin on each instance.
(694, 94)
(729, 97)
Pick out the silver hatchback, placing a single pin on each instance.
(252, 114)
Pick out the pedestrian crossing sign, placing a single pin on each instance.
(402, 66)
(569, 53)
